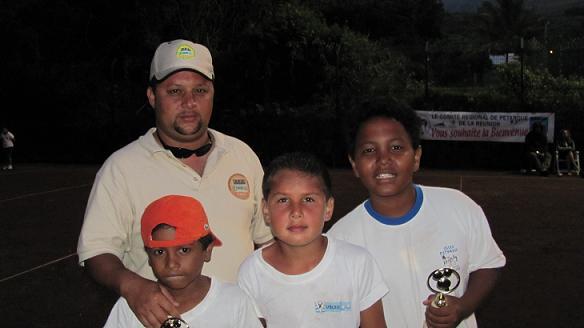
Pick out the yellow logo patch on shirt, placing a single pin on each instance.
(239, 186)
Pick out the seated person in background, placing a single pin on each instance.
(178, 241)
(305, 278)
(567, 150)
(538, 155)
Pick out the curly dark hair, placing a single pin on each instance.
(388, 108)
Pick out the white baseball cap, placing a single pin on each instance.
(179, 55)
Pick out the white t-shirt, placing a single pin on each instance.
(224, 306)
(7, 139)
(444, 228)
(333, 294)
(143, 171)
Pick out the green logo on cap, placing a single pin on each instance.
(185, 51)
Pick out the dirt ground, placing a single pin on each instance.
(537, 221)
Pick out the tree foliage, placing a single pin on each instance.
(81, 68)
(92, 61)
(505, 22)
(396, 21)
(542, 90)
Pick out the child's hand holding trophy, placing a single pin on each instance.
(442, 282)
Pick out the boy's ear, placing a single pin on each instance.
(417, 158)
(265, 211)
(353, 166)
(328, 211)
(208, 252)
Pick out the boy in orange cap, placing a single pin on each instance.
(178, 240)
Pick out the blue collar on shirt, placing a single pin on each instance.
(399, 220)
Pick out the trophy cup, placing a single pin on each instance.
(442, 282)
(173, 322)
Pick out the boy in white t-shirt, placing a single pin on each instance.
(304, 278)
(178, 241)
(413, 230)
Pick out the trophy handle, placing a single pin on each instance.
(439, 301)
(173, 322)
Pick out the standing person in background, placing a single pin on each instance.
(180, 156)
(7, 148)
(413, 230)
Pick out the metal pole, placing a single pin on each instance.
(426, 60)
(522, 83)
(546, 45)
(560, 59)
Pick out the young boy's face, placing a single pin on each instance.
(297, 208)
(384, 158)
(177, 267)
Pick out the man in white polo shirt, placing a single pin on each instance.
(181, 155)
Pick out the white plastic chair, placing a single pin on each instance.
(562, 165)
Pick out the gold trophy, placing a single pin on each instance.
(443, 282)
(440, 282)
(174, 323)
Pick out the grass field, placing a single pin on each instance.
(538, 223)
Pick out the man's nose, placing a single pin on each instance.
(189, 100)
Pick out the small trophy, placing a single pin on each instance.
(173, 322)
(443, 282)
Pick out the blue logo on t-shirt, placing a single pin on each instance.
(449, 256)
(323, 306)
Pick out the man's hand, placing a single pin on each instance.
(444, 317)
(149, 301)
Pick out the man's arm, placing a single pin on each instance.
(148, 300)
(480, 284)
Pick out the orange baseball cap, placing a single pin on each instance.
(184, 213)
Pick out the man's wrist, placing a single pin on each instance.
(127, 281)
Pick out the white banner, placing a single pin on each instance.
(483, 126)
